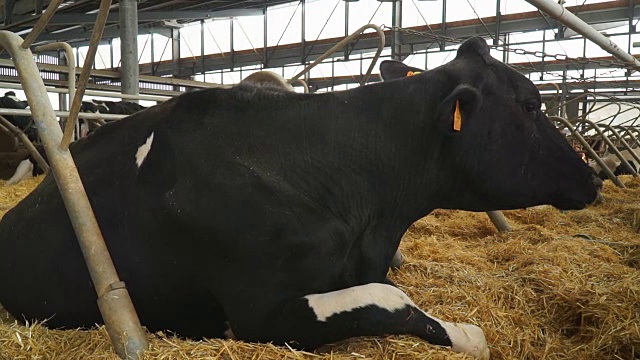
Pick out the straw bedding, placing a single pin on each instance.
(538, 292)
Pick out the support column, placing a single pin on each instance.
(8, 11)
(175, 55)
(63, 98)
(396, 40)
(443, 43)
(303, 49)
(265, 56)
(129, 47)
(496, 40)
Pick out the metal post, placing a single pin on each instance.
(63, 99)
(202, 48)
(114, 302)
(558, 12)
(232, 52)
(444, 24)
(153, 52)
(496, 41)
(175, 54)
(346, 27)
(111, 55)
(8, 11)
(128, 17)
(396, 39)
(265, 56)
(499, 220)
(563, 94)
(303, 18)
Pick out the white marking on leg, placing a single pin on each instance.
(23, 171)
(465, 338)
(383, 296)
(143, 150)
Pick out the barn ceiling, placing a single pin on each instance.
(74, 19)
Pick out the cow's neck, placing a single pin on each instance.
(388, 162)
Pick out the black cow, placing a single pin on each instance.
(278, 213)
(106, 107)
(111, 107)
(24, 123)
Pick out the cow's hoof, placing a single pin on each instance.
(398, 260)
(469, 339)
(599, 199)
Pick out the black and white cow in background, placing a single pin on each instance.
(106, 107)
(28, 167)
(278, 213)
(24, 123)
(613, 162)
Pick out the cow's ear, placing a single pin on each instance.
(457, 108)
(392, 69)
(475, 46)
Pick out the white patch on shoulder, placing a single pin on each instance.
(383, 296)
(143, 150)
(466, 338)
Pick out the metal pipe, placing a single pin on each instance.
(123, 325)
(344, 42)
(396, 39)
(27, 143)
(628, 132)
(41, 24)
(128, 16)
(301, 82)
(61, 113)
(71, 63)
(97, 93)
(558, 12)
(612, 146)
(588, 149)
(86, 71)
(499, 220)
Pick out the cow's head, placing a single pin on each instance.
(501, 152)
(94, 106)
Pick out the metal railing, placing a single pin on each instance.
(604, 126)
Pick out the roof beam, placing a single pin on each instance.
(80, 19)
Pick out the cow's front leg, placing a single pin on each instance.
(371, 309)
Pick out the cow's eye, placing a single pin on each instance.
(530, 106)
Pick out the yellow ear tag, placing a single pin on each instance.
(457, 117)
(411, 73)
